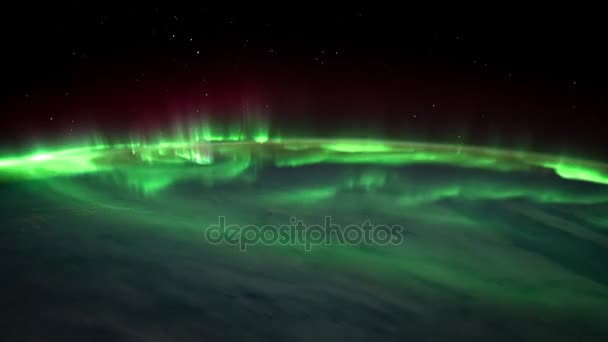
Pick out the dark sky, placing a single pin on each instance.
(515, 77)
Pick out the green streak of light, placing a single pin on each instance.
(256, 148)
(579, 172)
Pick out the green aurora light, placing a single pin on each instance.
(223, 153)
(466, 245)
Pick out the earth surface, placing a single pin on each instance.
(111, 243)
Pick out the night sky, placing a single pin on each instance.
(499, 77)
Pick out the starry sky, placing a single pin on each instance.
(524, 79)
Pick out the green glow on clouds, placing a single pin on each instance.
(411, 182)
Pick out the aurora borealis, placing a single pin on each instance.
(487, 229)
(202, 144)
(292, 172)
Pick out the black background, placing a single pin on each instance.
(518, 77)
